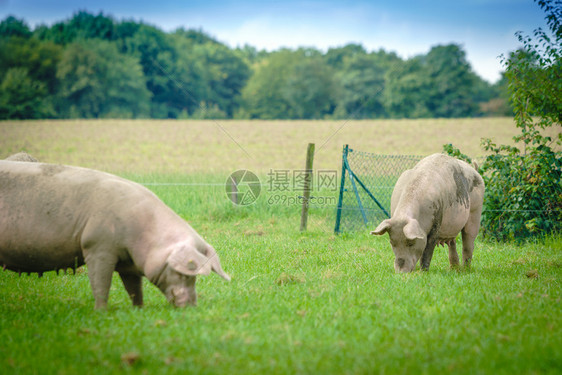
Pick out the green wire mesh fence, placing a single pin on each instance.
(366, 186)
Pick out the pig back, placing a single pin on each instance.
(439, 192)
(43, 211)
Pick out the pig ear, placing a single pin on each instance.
(413, 231)
(382, 228)
(188, 261)
(215, 263)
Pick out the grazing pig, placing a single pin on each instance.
(55, 216)
(21, 156)
(431, 203)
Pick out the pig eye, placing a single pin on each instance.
(410, 243)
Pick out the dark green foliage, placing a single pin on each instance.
(21, 96)
(225, 74)
(405, 94)
(523, 185)
(12, 26)
(39, 58)
(495, 101)
(195, 36)
(82, 25)
(523, 191)
(156, 55)
(362, 77)
(190, 74)
(452, 82)
(439, 84)
(451, 150)
(290, 84)
(335, 57)
(98, 81)
(27, 77)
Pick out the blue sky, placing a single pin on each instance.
(485, 28)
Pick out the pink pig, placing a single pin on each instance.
(55, 216)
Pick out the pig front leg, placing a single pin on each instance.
(100, 271)
(133, 285)
(428, 253)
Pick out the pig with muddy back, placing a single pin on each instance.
(430, 204)
(56, 217)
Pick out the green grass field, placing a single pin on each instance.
(298, 302)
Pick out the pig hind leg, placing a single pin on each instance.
(133, 285)
(469, 233)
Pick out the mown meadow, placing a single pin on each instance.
(309, 302)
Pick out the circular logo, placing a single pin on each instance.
(243, 187)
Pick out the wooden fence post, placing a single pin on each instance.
(307, 185)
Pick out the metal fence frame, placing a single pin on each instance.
(358, 176)
(366, 185)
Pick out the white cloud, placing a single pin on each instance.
(405, 38)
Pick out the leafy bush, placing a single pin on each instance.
(523, 191)
(523, 185)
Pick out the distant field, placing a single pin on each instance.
(172, 147)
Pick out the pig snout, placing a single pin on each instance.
(404, 264)
(181, 296)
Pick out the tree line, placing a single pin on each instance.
(93, 66)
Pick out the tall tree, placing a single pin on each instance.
(38, 58)
(22, 97)
(12, 26)
(262, 95)
(98, 81)
(156, 54)
(225, 72)
(82, 25)
(439, 84)
(452, 83)
(187, 73)
(27, 76)
(335, 57)
(290, 84)
(406, 90)
(362, 77)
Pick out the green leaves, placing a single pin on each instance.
(22, 97)
(523, 190)
(290, 84)
(523, 184)
(97, 81)
(189, 74)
